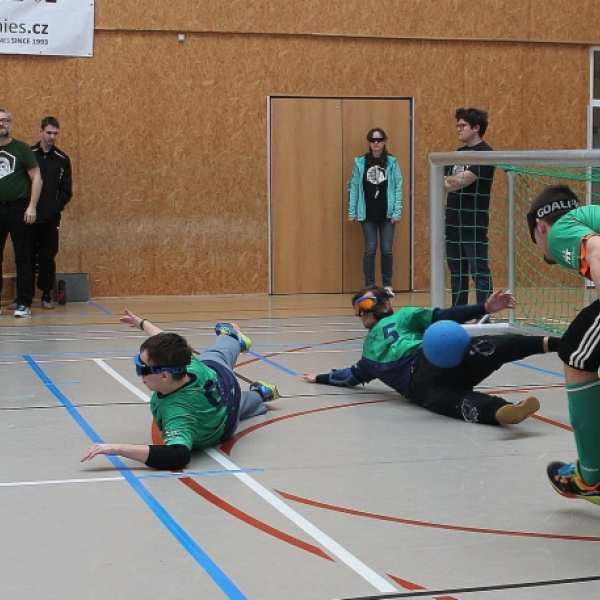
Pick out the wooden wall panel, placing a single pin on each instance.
(168, 139)
(560, 20)
(306, 202)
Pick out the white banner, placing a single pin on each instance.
(47, 27)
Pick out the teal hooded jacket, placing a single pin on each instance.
(356, 199)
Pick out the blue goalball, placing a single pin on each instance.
(445, 344)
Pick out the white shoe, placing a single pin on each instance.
(23, 311)
(389, 290)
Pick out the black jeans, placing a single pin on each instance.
(467, 250)
(44, 248)
(450, 392)
(12, 222)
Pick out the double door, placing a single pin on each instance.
(313, 143)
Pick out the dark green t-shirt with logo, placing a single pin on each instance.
(16, 159)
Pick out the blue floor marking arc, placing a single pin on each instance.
(211, 568)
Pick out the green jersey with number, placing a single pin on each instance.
(564, 239)
(195, 414)
(398, 336)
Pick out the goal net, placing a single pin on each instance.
(548, 296)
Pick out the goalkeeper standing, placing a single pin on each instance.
(569, 235)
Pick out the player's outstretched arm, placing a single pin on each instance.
(133, 451)
(167, 458)
(138, 323)
(500, 300)
(339, 377)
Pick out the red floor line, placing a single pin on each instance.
(409, 585)
(228, 445)
(552, 422)
(253, 522)
(237, 513)
(481, 530)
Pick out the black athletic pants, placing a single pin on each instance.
(44, 248)
(12, 222)
(450, 392)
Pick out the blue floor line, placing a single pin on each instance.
(539, 369)
(214, 572)
(101, 308)
(273, 363)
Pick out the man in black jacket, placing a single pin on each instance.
(57, 190)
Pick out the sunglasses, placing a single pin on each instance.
(144, 369)
(376, 140)
(364, 303)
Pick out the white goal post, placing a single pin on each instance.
(437, 163)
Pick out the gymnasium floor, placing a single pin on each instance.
(334, 494)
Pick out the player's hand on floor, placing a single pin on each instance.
(310, 377)
(97, 449)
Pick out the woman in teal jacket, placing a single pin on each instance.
(376, 201)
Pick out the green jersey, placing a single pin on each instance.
(16, 159)
(194, 415)
(566, 235)
(397, 336)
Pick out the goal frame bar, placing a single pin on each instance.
(437, 210)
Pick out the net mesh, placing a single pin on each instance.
(548, 296)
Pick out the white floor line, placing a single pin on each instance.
(122, 380)
(12, 484)
(376, 580)
(327, 542)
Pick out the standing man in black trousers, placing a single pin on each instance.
(20, 185)
(57, 190)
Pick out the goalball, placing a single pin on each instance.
(445, 344)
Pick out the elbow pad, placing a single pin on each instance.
(169, 458)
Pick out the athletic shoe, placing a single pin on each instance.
(389, 290)
(13, 305)
(566, 480)
(511, 414)
(233, 330)
(47, 303)
(22, 311)
(267, 391)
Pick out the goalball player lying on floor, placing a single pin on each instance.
(197, 402)
(392, 353)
